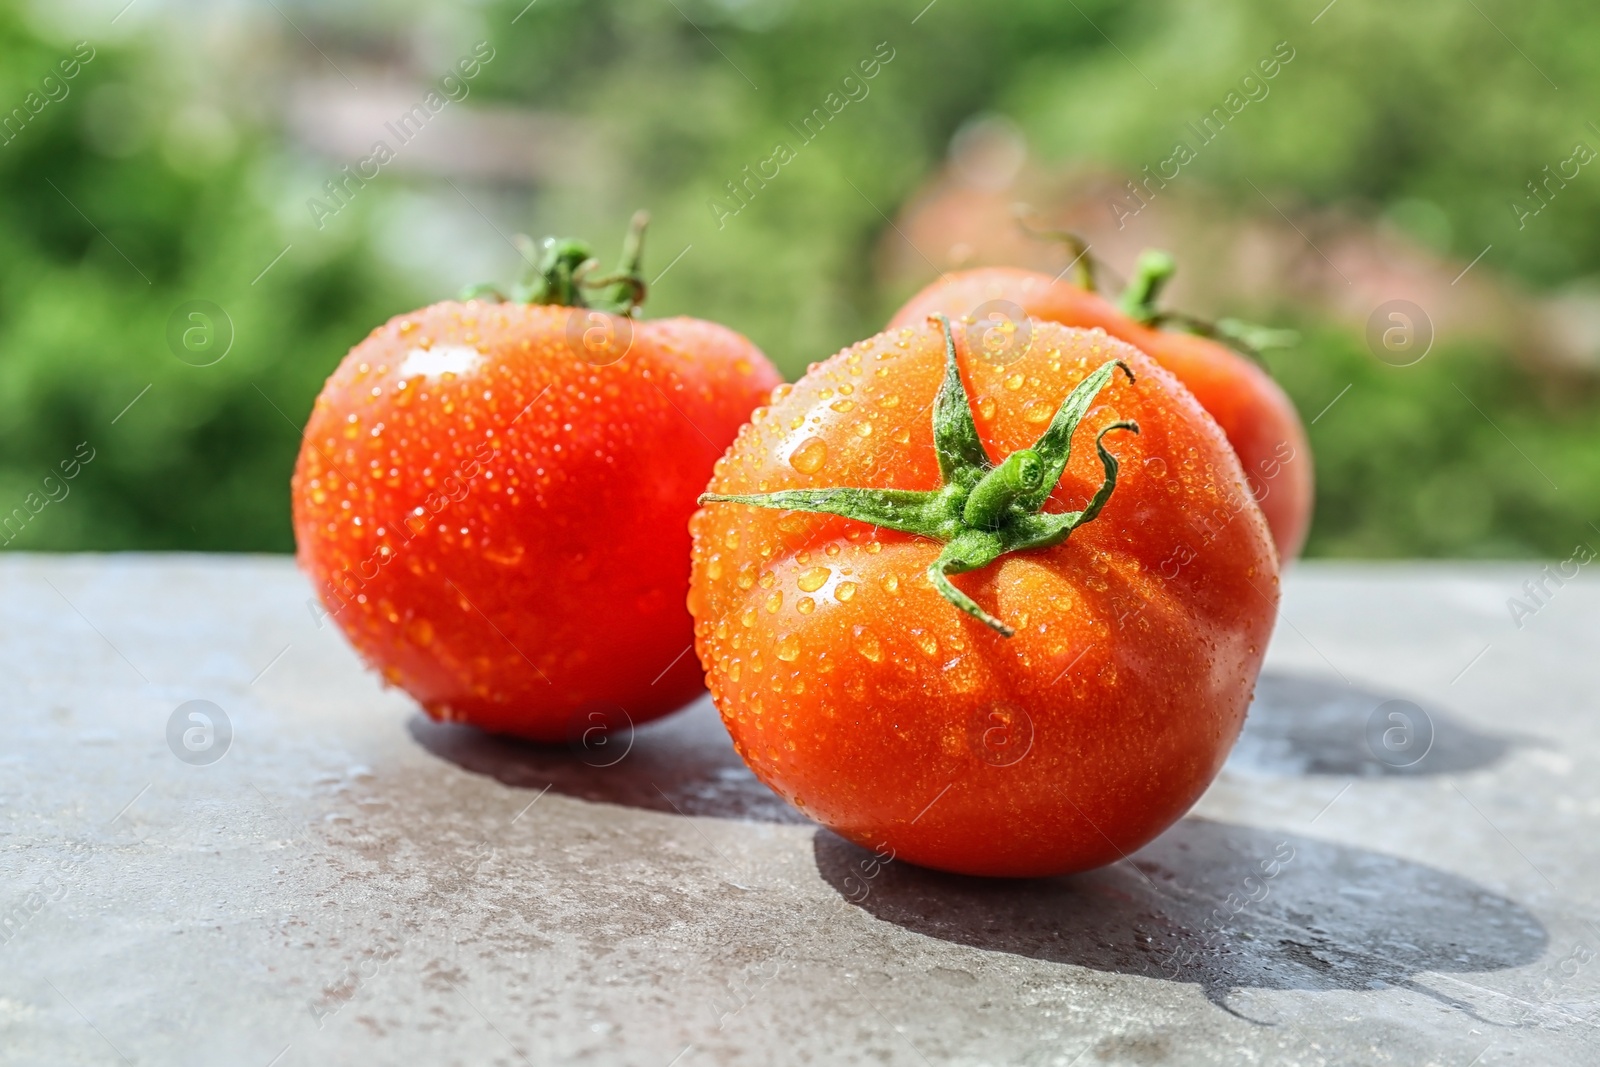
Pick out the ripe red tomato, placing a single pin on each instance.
(492, 501)
(1258, 418)
(898, 712)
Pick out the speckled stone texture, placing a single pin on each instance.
(351, 883)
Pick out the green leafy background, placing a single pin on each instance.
(169, 174)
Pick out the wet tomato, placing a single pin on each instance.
(969, 614)
(492, 499)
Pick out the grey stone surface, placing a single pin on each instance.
(353, 884)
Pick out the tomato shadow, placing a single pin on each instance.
(683, 764)
(1306, 725)
(1324, 916)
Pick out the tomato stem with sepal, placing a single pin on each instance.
(625, 287)
(1151, 273)
(558, 270)
(983, 510)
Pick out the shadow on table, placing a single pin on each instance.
(1301, 724)
(684, 763)
(1326, 916)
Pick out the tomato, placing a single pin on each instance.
(1258, 418)
(492, 501)
(1074, 689)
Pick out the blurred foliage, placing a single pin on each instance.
(109, 221)
(140, 190)
(1409, 462)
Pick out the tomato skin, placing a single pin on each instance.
(510, 547)
(857, 692)
(1258, 418)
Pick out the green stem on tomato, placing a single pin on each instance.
(991, 499)
(558, 271)
(1151, 273)
(983, 510)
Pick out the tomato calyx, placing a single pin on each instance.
(1151, 272)
(1153, 269)
(558, 270)
(983, 510)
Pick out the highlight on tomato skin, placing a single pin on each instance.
(858, 691)
(481, 505)
(1258, 418)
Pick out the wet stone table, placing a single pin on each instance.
(351, 883)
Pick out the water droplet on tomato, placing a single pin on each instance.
(1037, 411)
(793, 522)
(867, 644)
(809, 455)
(813, 579)
(788, 648)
